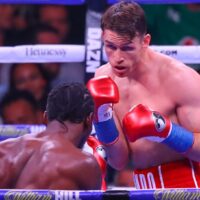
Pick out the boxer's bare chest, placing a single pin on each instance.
(153, 96)
(158, 99)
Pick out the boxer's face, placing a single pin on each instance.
(123, 53)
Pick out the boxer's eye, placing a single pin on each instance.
(110, 46)
(159, 122)
(127, 48)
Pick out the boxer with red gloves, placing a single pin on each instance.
(105, 93)
(142, 122)
(100, 155)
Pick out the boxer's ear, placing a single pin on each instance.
(89, 119)
(45, 117)
(146, 40)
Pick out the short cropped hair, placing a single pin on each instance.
(69, 101)
(126, 18)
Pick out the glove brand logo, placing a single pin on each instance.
(105, 112)
(108, 113)
(101, 151)
(159, 122)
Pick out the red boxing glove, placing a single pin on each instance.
(105, 92)
(100, 155)
(140, 122)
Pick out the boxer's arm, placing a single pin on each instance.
(187, 97)
(189, 117)
(85, 174)
(194, 152)
(183, 90)
(118, 153)
(91, 177)
(5, 175)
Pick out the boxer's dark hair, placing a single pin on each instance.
(126, 18)
(69, 101)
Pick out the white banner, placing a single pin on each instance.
(42, 53)
(76, 53)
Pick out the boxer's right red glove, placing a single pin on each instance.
(105, 93)
(142, 122)
(100, 155)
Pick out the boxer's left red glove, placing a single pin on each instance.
(142, 122)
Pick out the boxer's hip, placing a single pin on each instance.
(178, 174)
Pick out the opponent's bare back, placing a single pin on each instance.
(46, 160)
(53, 159)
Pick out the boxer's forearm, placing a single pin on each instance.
(118, 154)
(194, 152)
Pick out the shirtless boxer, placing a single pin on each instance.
(141, 80)
(53, 159)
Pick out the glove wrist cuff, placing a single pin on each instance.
(106, 131)
(179, 139)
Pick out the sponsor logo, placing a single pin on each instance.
(34, 51)
(67, 195)
(26, 195)
(159, 122)
(169, 52)
(177, 194)
(93, 50)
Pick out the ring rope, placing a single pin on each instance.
(160, 1)
(76, 53)
(159, 194)
(78, 2)
(56, 2)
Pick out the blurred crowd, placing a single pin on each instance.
(24, 86)
(175, 24)
(37, 24)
